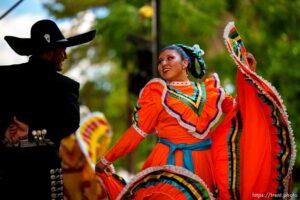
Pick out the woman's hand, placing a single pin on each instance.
(251, 60)
(100, 166)
(104, 166)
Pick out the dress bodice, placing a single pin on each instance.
(179, 112)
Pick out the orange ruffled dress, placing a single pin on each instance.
(249, 155)
(180, 113)
(253, 147)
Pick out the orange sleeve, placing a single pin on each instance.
(228, 103)
(146, 112)
(127, 143)
(144, 121)
(213, 85)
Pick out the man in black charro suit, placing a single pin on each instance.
(38, 108)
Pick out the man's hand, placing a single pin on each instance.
(11, 134)
(16, 131)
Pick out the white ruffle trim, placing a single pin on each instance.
(273, 89)
(179, 83)
(192, 129)
(176, 169)
(142, 133)
(104, 161)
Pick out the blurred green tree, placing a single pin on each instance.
(269, 29)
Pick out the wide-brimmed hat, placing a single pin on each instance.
(45, 35)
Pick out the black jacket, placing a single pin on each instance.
(39, 96)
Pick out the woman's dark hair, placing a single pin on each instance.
(190, 53)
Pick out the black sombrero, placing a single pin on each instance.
(45, 35)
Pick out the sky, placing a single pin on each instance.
(18, 23)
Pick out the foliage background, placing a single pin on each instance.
(269, 28)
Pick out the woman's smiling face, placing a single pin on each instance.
(171, 66)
